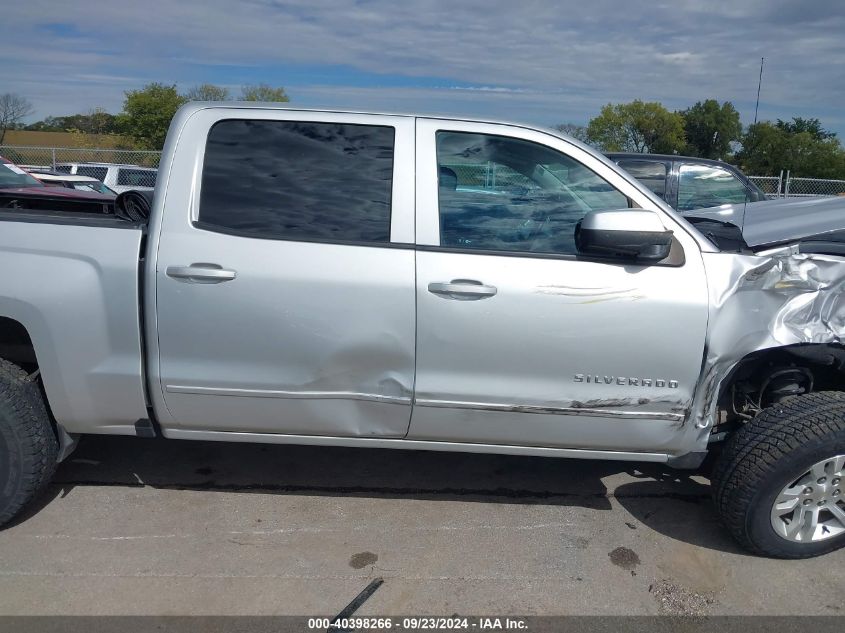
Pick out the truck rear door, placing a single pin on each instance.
(285, 275)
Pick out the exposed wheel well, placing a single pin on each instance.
(16, 345)
(766, 377)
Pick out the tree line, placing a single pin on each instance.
(145, 116)
(709, 129)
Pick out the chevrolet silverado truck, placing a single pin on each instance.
(360, 279)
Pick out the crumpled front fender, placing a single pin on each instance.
(757, 302)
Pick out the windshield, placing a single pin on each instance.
(94, 186)
(12, 177)
(701, 186)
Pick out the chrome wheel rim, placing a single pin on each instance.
(812, 507)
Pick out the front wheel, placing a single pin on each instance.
(778, 483)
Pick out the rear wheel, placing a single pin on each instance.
(778, 483)
(28, 446)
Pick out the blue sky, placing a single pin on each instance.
(540, 62)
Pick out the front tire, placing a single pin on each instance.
(777, 484)
(28, 446)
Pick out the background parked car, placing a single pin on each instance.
(21, 190)
(71, 181)
(116, 176)
(688, 183)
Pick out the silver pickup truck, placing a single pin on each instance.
(400, 281)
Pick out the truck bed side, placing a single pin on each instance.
(73, 284)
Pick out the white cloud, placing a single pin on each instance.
(551, 57)
(684, 57)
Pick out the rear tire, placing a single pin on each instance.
(779, 471)
(28, 445)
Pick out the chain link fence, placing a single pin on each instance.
(495, 177)
(788, 186)
(807, 187)
(51, 157)
(498, 177)
(486, 176)
(772, 186)
(119, 169)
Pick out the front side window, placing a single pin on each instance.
(505, 194)
(702, 186)
(298, 180)
(651, 173)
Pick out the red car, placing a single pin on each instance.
(20, 190)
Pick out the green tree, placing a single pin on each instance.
(97, 121)
(637, 127)
(578, 132)
(764, 149)
(710, 128)
(263, 92)
(768, 148)
(208, 92)
(48, 124)
(811, 126)
(147, 113)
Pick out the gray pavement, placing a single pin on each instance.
(168, 527)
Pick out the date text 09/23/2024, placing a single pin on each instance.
(423, 623)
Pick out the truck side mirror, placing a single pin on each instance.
(635, 235)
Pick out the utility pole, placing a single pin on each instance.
(759, 83)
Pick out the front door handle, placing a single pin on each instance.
(201, 273)
(466, 289)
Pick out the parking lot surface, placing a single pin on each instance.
(168, 527)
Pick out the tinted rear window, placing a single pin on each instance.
(136, 177)
(299, 180)
(92, 172)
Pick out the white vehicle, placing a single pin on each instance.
(117, 177)
(71, 181)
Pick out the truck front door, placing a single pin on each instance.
(521, 340)
(284, 293)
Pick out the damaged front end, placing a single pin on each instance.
(777, 321)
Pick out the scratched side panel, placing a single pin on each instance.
(551, 431)
(309, 338)
(503, 369)
(314, 339)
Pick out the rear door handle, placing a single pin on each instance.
(466, 289)
(201, 273)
